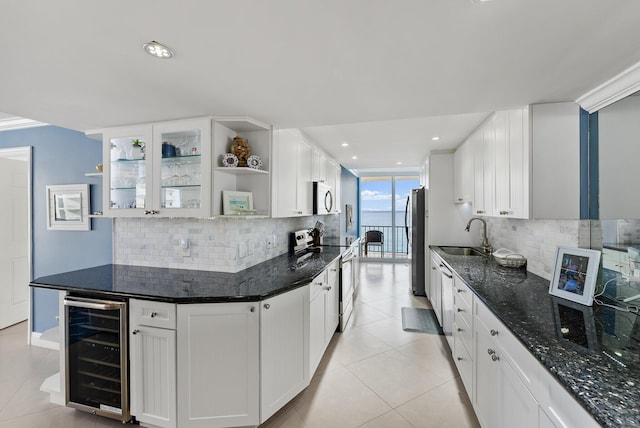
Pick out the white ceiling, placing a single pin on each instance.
(382, 75)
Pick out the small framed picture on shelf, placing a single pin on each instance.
(574, 275)
(237, 203)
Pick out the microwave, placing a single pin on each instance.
(322, 198)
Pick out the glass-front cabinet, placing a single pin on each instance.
(162, 169)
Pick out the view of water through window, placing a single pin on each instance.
(383, 201)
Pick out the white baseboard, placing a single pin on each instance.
(43, 343)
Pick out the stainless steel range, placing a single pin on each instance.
(301, 242)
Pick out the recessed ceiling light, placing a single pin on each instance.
(354, 157)
(398, 163)
(435, 138)
(157, 49)
(345, 144)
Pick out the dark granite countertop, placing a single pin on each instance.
(600, 368)
(267, 279)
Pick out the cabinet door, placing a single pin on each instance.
(436, 285)
(304, 183)
(331, 295)
(485, 396)
(282, 332)
(285, 148)
(333, 180)
(502, 203)
(153, 375)
(517, 406)
(317, 313)
(218, 370)
(477, 147)
(127, 172)
(463, 174)
(319, 166)
(519, 163)
(182, 168)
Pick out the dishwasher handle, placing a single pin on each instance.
(83, 302)
(445, 271)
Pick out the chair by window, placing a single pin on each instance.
(374, 237)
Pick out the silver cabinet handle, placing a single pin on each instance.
(267, 306)
(459, 329)
(494, 332)
(495, 358)
(491, 351)
(253, 309)
(460, 310)
(136, 331)
(328, 288)
(459, 358)
(153, 314)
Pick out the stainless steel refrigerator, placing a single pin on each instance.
(416, 217)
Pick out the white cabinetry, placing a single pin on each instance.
(555, 132)
(218, 368)
(292, 185)
(153, 362)
(242, 179)
(333, 180)
(282, 333)
(463, 332)
(323, 314)
(435, 286)
(483, 180)
(318, 165)
(463, 174)
(170, 177)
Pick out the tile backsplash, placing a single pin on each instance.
(221, 244)
(537, 240)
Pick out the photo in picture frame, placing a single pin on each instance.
(574, 275)
(237, 203)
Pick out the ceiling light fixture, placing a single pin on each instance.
(435, 138)
(398, 163)
(354, 157)
(157, 49)
(345, 144)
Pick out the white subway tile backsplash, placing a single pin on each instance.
(215, 243)
(538, 240)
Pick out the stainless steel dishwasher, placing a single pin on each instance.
(447, 303)
(97, 356)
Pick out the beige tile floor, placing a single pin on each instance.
(374, 375)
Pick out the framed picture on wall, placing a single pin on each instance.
(68, 207)
(574, 275)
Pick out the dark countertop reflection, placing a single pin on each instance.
(594, 352)
(258, 282)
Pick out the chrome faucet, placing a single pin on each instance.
(486, 247)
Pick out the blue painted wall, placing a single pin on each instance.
(61, 156)
(349, 195)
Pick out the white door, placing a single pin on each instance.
(14, 235)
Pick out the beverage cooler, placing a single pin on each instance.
(97, 356)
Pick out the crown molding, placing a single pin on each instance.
(614, 89)
(12, 123)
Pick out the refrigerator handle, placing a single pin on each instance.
(406, 225)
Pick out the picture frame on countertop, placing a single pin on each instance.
(237, 203)
(574, 275)
(68, 207)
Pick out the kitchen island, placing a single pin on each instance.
(593, 352)
(210, 349)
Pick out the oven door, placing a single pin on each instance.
(346, 288)
(322, 198)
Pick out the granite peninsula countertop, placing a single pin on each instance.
(259, 282)
(601, 370)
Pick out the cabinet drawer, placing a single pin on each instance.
(463, 361)
(153, 314)
(462, 333)
(463, 308)
(462, 291)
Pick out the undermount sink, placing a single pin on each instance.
(462, 251)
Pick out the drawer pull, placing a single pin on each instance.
(459, 329)
(253, 309)
(495, 358)
(267, 306)
(136, 331)
(494, 332)
(327, 288)
(459, 358)
(491, 351)
(460, 310)
(153, 314)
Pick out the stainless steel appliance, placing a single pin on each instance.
(416, 218)
(322, 198)
(97, 356)
(446, 303)
(301, 242)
